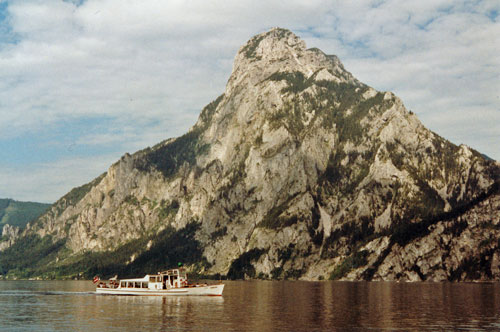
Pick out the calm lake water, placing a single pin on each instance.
(255, 306)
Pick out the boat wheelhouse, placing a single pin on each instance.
(171, 282)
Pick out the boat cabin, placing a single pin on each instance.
(175, 278)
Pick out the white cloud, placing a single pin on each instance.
(148, 67)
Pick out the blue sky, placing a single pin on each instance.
(83, 82)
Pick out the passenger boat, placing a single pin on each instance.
(171, 282)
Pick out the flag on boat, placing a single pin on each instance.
(96, 279)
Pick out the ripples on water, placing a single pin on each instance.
(255, 306)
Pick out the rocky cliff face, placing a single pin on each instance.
(9, 236)
(297, 171)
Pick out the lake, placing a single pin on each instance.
(255, 306)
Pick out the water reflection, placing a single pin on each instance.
(300, 306)
(255, 306)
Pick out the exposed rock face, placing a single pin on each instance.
(462, 248)
(9, 235)
(298, 171)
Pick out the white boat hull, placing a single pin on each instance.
(208, 290)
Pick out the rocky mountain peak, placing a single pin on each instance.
(276, 44)
(281, 51)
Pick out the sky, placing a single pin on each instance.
(83, 82)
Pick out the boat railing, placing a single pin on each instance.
(112, 284)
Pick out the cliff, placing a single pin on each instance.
(297, 170)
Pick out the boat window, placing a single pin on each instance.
(137, 285)
(123, 284)
(152, 279)
(144, 285)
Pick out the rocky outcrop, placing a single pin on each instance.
(460, 248)
(9, 235)
(297, 170)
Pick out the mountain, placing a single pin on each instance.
(18, 214)
(298, 170)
